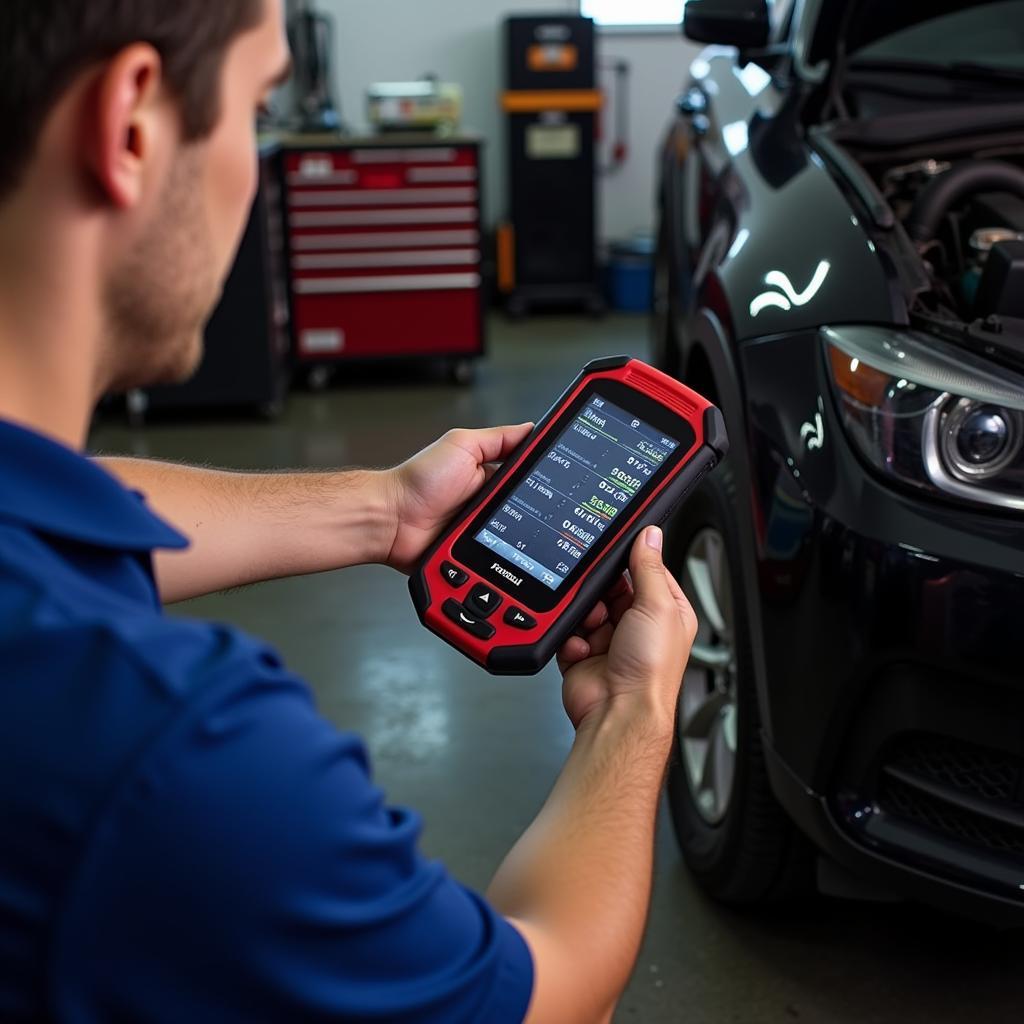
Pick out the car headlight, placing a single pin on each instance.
(930, 414)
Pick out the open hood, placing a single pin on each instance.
(964, 36)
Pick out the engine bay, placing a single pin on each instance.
(966, 219)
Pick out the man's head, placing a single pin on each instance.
(130, 124)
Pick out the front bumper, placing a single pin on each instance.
(894, 866)
(891, 629)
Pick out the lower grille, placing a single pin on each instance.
(957, 791)
(904, 801)
(986, 774)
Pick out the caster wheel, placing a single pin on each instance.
(272, 410)
(319, 377)
(463, 371)
(136, 405)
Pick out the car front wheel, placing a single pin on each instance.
(734, 836)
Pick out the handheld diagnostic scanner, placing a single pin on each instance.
(521, 566)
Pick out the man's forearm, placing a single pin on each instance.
(578, 882)
(249, 527)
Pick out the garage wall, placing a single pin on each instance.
(459, 40)
(658, 64)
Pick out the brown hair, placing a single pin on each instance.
(44, 44)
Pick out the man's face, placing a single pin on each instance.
(161, 295)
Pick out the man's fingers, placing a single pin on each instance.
(689, 616)
(601, 639)
(647, 570)
(492, 444)
(622, 601)
(676, 589)
(574, 650)
(598, 617)
(656, 588)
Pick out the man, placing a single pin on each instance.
(182, 838)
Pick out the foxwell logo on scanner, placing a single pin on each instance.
(511, 577)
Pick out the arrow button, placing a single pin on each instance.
(482, 601)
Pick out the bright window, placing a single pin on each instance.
(633, 12)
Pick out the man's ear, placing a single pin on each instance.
(127, 104)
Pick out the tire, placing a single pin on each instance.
(736, 840)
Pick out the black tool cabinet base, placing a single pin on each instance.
(245, 366)
(530, 298)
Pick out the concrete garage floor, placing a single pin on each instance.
(476, 755)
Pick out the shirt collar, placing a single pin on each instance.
(54, 490)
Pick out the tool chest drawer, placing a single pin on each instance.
(384, 249)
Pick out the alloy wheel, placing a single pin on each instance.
(707, 706)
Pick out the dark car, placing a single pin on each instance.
(841, 268)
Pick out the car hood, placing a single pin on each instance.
(828, 29)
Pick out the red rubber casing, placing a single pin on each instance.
(514, 651)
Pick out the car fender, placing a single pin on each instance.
(786, 248)
(709, 340)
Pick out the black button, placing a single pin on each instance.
(518, 619)
(458, 615)
(453, 574)
(483, 601)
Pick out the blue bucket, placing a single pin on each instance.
(631, 275)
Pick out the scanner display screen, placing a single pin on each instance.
(579, 487)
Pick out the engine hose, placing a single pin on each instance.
(945, 190)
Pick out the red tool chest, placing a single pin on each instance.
(384, 240)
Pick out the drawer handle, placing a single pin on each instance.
(358, 218)
(363, 260)
(384, 240)
(429, 175)
(331, 178)
(389, 283)
(384, 197)
(440, 155)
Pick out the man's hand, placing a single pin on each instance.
(427, 491)
(578, 883)
(635, 644)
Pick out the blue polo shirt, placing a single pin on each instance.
(182, 837)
